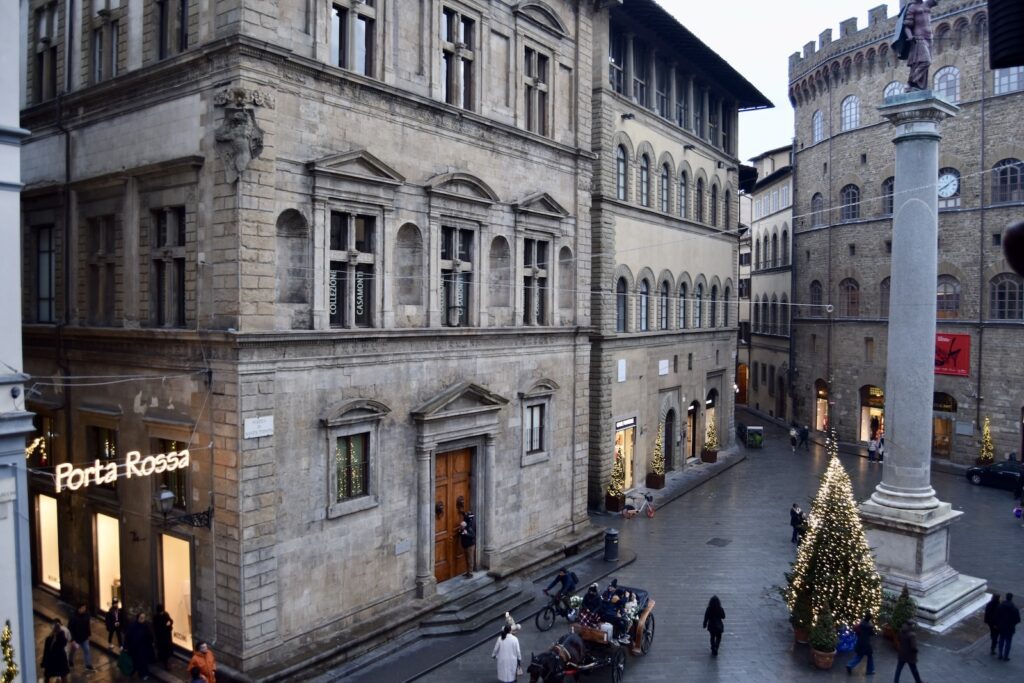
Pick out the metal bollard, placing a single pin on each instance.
(611, 545)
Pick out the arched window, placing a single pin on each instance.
(663, 307)
(727, 209)
(775, 250)
(620, 305)
(757, 316)
(682, 306)
(887, 192)
(664, 188)
(816, 292)
(883, 298)
(725, 307)
(947, 83)
(620, 173)
(682, 194)
(785, 247)
(817, 210)
(818, 127)
(893, 88)
(850, 111)
(757, 254)
(773, 312)
(849, 298)
(1005, 292)
(766, 327)
(850, 210)
(698, 310)
(1008, 181)
(784, 315)
(947, 297)
(645, 180)
(714, 205)
(645, 305)
(699, 201)
(713, 312)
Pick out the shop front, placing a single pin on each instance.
(625, 444)
(48, 541)
(872, 412)
(943, 421)
(820, 405)
(107, 547)
(176, 586)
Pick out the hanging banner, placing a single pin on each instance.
(953, 354)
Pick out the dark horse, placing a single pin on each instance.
(549, 667)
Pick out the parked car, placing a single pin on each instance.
(1002, 475)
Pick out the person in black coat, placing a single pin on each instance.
(55, 656)
(163, 630)
(80, 626)
(865, 632)
(115, 624)
(990, 620)
(138, 641)
(796, 520)
(1007, 618)
(907, 652)
(714, 616)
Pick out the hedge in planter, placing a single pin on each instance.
(824, 638)
(656, 477)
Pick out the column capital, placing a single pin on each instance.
(917, 112)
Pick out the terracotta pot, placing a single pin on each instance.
(823, 660)
(709, 455)
(801, 634)
(890, 634)
(614, 503)
(655, 481)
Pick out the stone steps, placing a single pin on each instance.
(476, 609)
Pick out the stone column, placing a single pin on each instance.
(490, 486)
(907, 526)
(426, 582)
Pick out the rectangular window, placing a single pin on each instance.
(726, 129)
(456, 275)
(640, 73)
(771, 379)
(101, 262)
(713, 120)
(45, 270)
(616, 62)
(100, 444)
(352, 466)
(457, 58)
(168, 257)
(172, 27)
(534, 434)
(177, 480)
(46, 48)
(535, 281)
(1008, 80)
(535, 82)
(352, 40)
(689, 361)
(661, 88)
(814, 342)
(682, 102)
(350, 284)
(755, 376)
(97, 55)
(39, 449)
(698, 114)
(869, 350)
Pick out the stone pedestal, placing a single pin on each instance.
(905, 523)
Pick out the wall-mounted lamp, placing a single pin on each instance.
(164, 500)
(628, 116)
(721, 165)
(688, 147)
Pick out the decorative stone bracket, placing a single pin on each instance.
(239, 138)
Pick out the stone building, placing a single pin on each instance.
(842, 232)
(770, 283)
(743, 300)
(339, 252)
(664, 266)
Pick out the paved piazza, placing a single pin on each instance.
(745, 512)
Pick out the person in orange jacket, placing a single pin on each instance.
(203, 659)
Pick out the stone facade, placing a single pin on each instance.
(842, 240)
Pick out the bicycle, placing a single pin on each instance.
(557, 607)
(631, 511)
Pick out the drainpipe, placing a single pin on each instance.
(981, 248)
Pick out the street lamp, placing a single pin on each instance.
(164, 500)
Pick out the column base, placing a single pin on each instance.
(426, 587)
(911, 549)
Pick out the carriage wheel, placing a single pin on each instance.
(618, 665)
(545, 618)
(647, 637)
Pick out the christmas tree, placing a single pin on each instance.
(618, 480)
(834, 565)
(711, 443)
(658, 457)
(988, 450)
(10, 671)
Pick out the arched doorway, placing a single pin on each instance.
(872, 411)
(692, 415)
(820, 405)
(669, 440)
(710, 418)
(943, 418)
(742, 377)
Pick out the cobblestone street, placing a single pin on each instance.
(730, 537)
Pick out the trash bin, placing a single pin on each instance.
(611, 545)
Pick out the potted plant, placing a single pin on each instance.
(824, 639)
(710, 451)
(801, 618)
(615, 496)
(656, 477)
(987, 456)
(894, 613)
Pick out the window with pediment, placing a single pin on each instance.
(352, 462)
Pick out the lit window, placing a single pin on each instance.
(351, 466)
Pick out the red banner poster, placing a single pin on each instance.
(953, 354)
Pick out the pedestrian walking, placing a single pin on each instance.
(55, 656)
(907, 652)
(714, 618)
(881, 447)
(805, 434)
(792, 438)
(990, 620)
(163, 629)
(80, 625)
(203, 658)
(873, 448)
(467, 537)
(115, 624)
(865, 632)
(506, 652)
(138, 641)
(1007, 618)
(796, 520)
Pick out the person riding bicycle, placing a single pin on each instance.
(568, 580)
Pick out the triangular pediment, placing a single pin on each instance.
(541, 203)
(542, 15)
(461, 399)
(354, 411)
(462, 186)
(358, 165)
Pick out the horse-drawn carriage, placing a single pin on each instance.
(586, 650)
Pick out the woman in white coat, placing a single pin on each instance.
(506, 651)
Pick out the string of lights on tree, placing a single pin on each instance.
(988, 449)
(834, 565)
(658, 456)
(10, 671)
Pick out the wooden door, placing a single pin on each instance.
(452, 478)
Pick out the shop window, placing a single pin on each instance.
(176, 578)
(352, 253)
(456, 275)
(108, 560)
(535, 97)
(49, 544)
(177, 481)
(168, 261)
(353, 40)
(535, 281)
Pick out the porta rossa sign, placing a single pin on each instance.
(135, 465)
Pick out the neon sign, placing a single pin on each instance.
(67, 476)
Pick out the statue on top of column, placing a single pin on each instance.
(913, 40)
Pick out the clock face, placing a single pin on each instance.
(949, 185)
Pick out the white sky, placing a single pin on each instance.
(757, 37)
